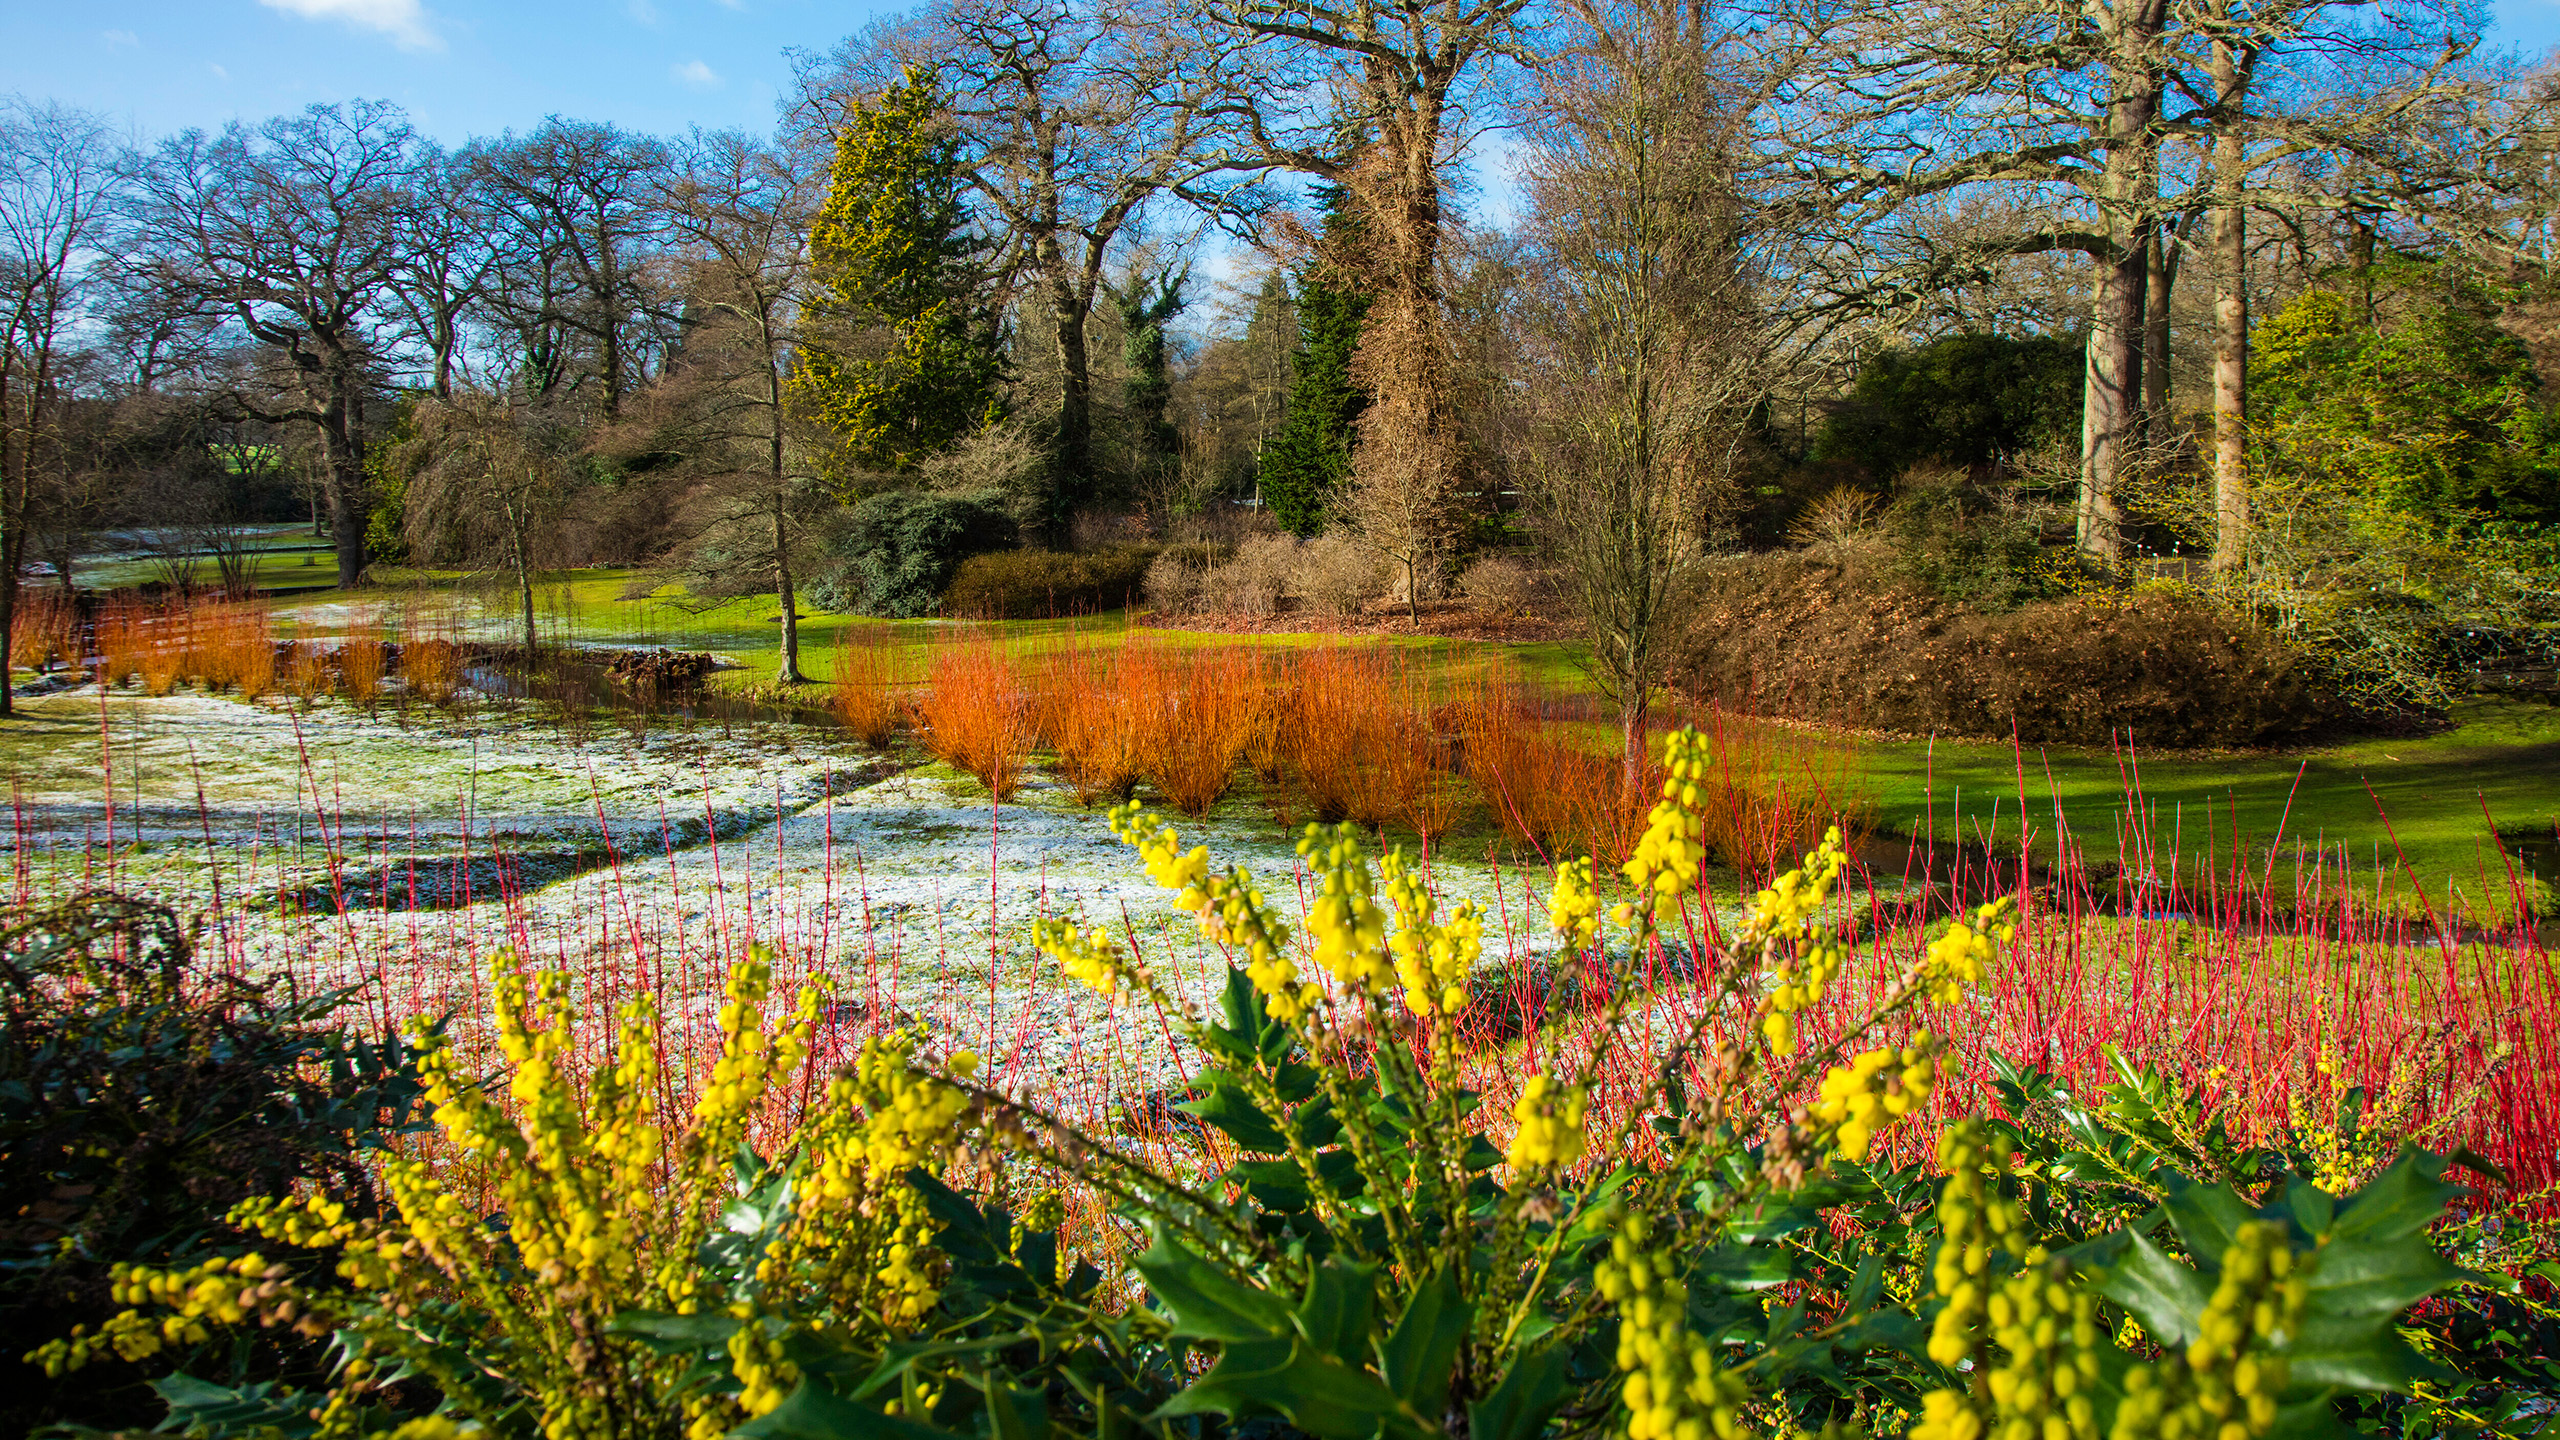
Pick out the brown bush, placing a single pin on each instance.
(1499, 584)
(1336, 575)
(1040, 584)
(1837, 640)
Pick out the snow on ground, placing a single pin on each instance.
(395, 848)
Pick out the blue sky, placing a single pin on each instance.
(460, 67)
(476, 67)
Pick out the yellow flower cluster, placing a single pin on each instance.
(2224, 1386)
(765, 1375)
(1961, 956)
(748, 1060)
(1432, 959)
(1665, 864)
(1784, 913)
(913, 1115)
(1091, 958)
(566, 1173)
(1574, 908)
(1875, 1089)
(1349, 925)
(1674, 1389)
(2048, 1336)
(910, 1119)
(1974, 1219)
(1231, 911)
(1550, 1117)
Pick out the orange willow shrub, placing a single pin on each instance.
(868, 678)
(431, 661)
(1359, 738)
(1195, 711)
(236, 649)
(1550, 781)
(977, 714)
(308, 672)
(362, 662)
(123, 634)
(166, 645)
(1090, 716)
(44, 629)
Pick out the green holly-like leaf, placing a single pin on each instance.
(1206, 1304)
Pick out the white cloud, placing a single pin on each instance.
(405, 21)
(119, 39)
(731, 4)
(643, 12)
(218, 72)
(696, 75)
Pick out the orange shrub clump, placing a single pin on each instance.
(977, 716)
(1195, 712)
(44, 629)
(1089, 714)
(123, 634)
(361, 663)
(162, 652)
(867, 679)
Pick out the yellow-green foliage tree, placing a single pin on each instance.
(902, 359)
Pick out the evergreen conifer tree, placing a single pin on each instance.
(912, 363)
(1307, 461)
(1146, 307)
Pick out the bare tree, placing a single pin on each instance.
(1649, 341)
(495, 475)
(576, 197)
(1392, 88)
(57, 183)
(293, 231)
(446, 265)
(741, 213)
(2091, 122)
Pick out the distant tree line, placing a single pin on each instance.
(1061, 270)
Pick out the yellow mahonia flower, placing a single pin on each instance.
(1432, 959)
(1574, 908)
(1873, 1090)
(1550, 1117)
(1231, 911)
(1673, 1389)
(1974, 1220)
(1665, 864)
(1091, 958)
(765, 1375)
(1781, 916)
(1962, 955)
(2225, 1383)
(1349, 925)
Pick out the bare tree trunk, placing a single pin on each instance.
(2160, 283)
(1075, 386)
(789, 673)
(13, 538)
(2230, 320)
(524, 598)
(2111, 408)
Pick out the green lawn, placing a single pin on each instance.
(2428, 798)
